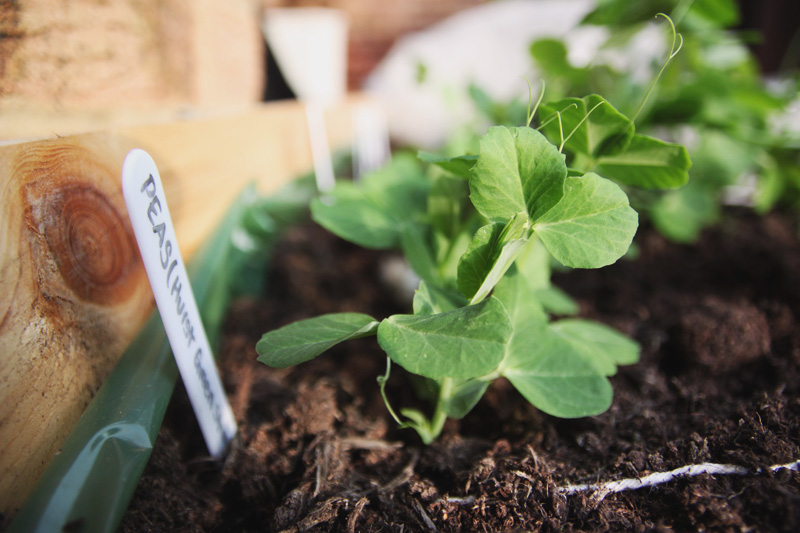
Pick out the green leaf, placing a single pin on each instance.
(551, 55)
(348, 213)
(460, 165)
(417, 251)
(592, 226)
(514, 293)
(417, 421)
(776, 177)
(304, 340)
(593, 125)
(534, 265)
(374, 212)
(648, 163)
(517, 171)
(721, 13)
(464, 397)
(622, 13)
(487, 258)
(449, 251)
(681, 215)
(553, 376)
(482, 101)
(548, 370)
(464, 343)
(400, 187)
(477, 261)
(603, 346)
(721, 160)
(496, 112)
(556, 301)
(432, 300)
(448, 203)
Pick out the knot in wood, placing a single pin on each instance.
(90, 242)
(79, 225)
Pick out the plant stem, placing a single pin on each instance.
(673, 51)
(497, 271)
(382, 383)
(440, 415)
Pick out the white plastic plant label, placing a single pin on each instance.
(152, 225)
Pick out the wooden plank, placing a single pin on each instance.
(90, 55)
(73, 289)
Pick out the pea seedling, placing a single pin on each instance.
(715, 98)
(480, 235)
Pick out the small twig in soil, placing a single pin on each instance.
(321, 447)
(423, 515)
(602, 490)
(359, 443)
(466, 500)
(323, 513)
(524, 476)
(352, 520)
(534, 456)
(241, 401)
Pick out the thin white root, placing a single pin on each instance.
(601, 490)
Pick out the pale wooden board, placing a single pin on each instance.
(90, 55)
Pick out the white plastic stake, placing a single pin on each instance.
(371, 149)
(152, 225)
(320, 151)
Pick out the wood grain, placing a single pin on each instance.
(90, 55)
(74, 294)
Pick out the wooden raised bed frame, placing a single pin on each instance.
(74, 291)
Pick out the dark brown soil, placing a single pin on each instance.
(718, 382)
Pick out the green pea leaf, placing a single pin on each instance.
(624, 13)
(464, 343)
(481, 254)
(648, 163)
(514, 293)
(603, 346)
(551, 56)
(592, 226)
(417, 250)
(556, 301)
(592, 125)
(534, 265)
(302, 341)
(518, 171)
(448, 205)
(555, 377)
(374, 212)
(489, 255)
(348, 213)
(496, 112)
(432, 300)
(719, 13)
(464, 397)
(459, 166)
(682, 214)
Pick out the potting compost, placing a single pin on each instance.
(717, 385)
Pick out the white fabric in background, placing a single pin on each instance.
(487, 45)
